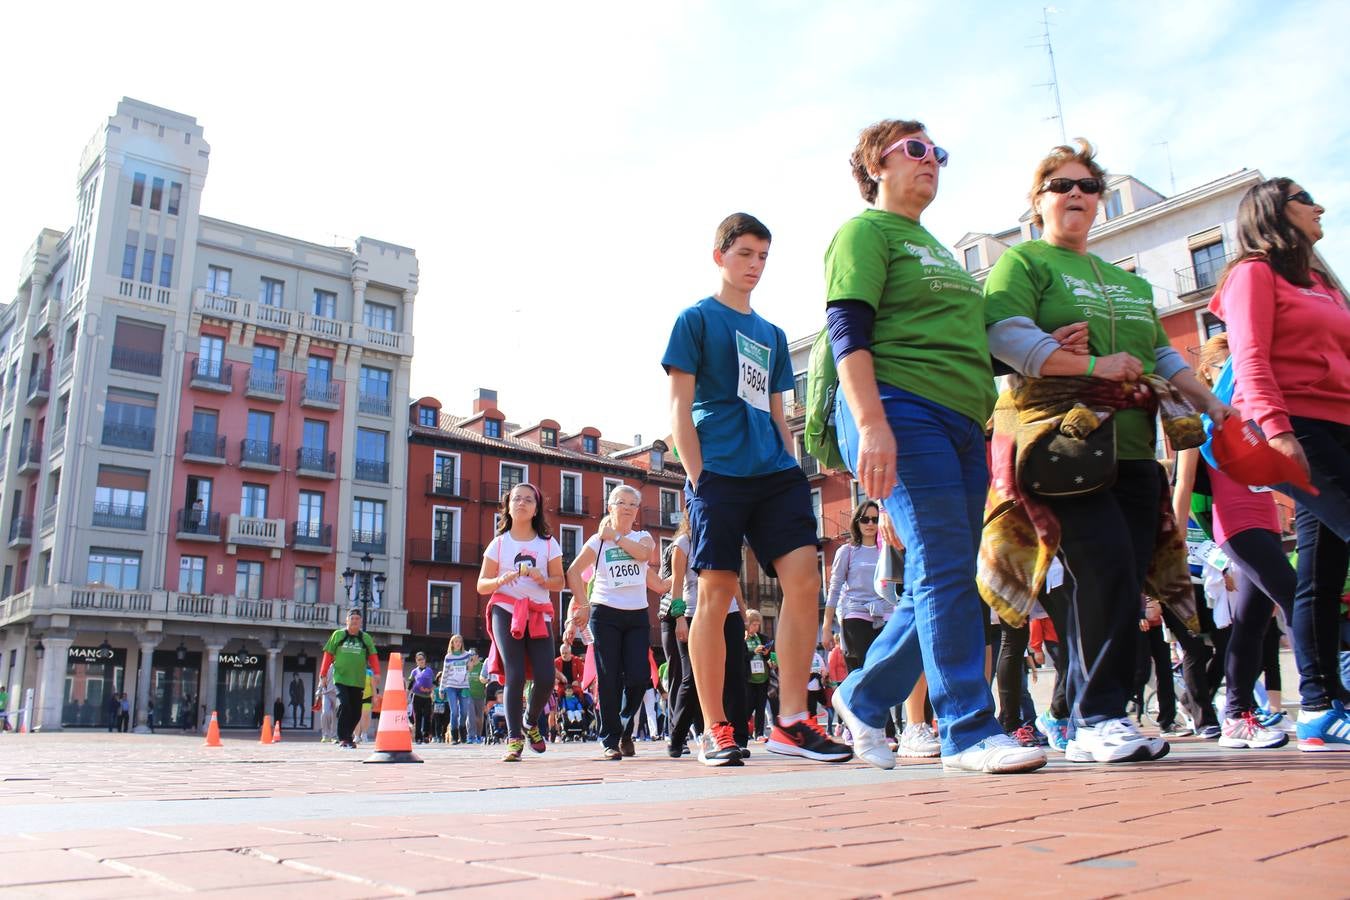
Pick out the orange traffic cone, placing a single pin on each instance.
(213, 733)
(393, 740)
(266, 736)
(276, 733)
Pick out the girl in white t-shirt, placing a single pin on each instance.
(617, 612)
(520, 566)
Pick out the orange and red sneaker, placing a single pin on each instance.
(807, 740)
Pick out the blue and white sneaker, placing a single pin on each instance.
(1056, 731)
(1327, 733)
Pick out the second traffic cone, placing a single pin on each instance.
(276, 733)
(393, 740)
(213, 733)
(266, 736)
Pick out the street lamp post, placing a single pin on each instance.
(365, 587)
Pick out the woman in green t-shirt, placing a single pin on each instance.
(1053, 309)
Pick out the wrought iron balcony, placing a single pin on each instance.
(266, 384)
(441, 484)
(320, 392)
(132, 437)
(39, 387)
(119, 515)
(259, 454)
(140, 362)
(312, 461)
(660, 518)
(204, 446)
(434, 550)
(21, 531)
(374, 405)
(574, 505)
(212, 374)
(198, 525)
(313, 536)
(376, 470)
(30, 456)
(368, 541)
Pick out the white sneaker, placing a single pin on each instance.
(918, 740)
(1247, 733)
(1114, 740)
(869, 743)
(996, 755)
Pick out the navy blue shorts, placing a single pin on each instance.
(771, 513)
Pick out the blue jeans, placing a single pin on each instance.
(457, 701)
(938, 626)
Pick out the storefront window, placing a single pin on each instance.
(239, 690)
(173, 685)
(94, 677)
(298, 692)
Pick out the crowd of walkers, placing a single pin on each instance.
(1035, 521)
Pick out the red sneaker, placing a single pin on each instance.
(807, 740)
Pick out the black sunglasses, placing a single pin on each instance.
(1301, 197)
(1064, 185)
(867, 520)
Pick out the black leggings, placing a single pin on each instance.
(622, 671)
(1270, 657)
(685, 709)
(514, 652)
(1010, 673)
(1263, 577)
(348, 712)
(858, 636)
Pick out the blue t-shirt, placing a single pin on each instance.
(738, 362)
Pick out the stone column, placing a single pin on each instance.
(359, 301)
(147, 645)
(210, 675)
(51, 682)
(272, 679)
(407, 324)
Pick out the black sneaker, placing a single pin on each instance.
(675, 751)
(807, 740)
(745, 751)
(626, 746)
(610, 755)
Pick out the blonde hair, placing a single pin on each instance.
(450, 647)
(754, 615)
(1213, 353)
(1062, 155)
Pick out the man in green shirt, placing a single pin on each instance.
(349, 652)
(476, 694)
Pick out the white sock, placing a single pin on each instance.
(793, 719)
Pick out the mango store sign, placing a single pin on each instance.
(91, 654)
(240, 660)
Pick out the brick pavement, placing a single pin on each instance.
(97, 815)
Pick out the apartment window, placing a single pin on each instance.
(307, 584)
(166, 263)
(270, 291)
(444, 524)
(378, 315)
(799, 387)
(148, 259)
(589, 444)
(325, 304)
(548, 437)
(571, 493)
(443, 607)
(191, 574)
(72, 333)
(253, 501)
(1112, 205)
(264, 358)
(1208, 261)
(199, 490)
(129, 419)
(62, 411)
(259, 426)
(248, 576)
(309, 514)
(137, 347)
(426, 416)
(657, 461)
(175, 198)
(217, 280)
(512, 475)
(205, 421)
(315, 435)
(374, 387)
(368, 525)
(137, 189)
(372, 463)
(119, 498)
(447, 471)
(817, 511)
(319, 371)
(1212, 325)
(610, 484)
(116, 569)
(129, 255)
(670, 509)
(973, 258)
(492, 428)
(569, 538)
(210, 358)
(156, 193)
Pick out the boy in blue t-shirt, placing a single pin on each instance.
(728, 371)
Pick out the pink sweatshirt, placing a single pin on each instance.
(1290, 347)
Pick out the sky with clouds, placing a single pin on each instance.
(560, 168)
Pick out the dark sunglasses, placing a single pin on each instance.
(1301, 197)
(867, 520)
(1064, 185)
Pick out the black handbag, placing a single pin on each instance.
(1056, 463)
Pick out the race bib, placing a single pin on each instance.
(752, 358)
(459, 668)
(621, 570)
(1055, 576)
(756, 666)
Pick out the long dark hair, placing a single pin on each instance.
(854, 528)
(1265, 233)
(540, 521)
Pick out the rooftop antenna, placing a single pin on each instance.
(1170, 173)
(1053, 84)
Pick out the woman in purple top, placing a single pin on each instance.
(420, 684)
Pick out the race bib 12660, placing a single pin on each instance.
(752, 358)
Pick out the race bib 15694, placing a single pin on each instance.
(752, 359)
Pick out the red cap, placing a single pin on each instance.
(1244, 456)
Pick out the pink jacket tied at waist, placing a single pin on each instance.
(527, 620)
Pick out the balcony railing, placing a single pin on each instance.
(809, 465)
(320, 392)
(442, 625)
(574, 506)
(441, 484)
(1192, 279)
(21, 530)
(140, 362)
(212, 374)
(30, 456)
(432, 550)
(314, 535)
(119, 515)
(266, 384)
(49, 516)
(259, 453)
(204, 446)
(132, 437)
(494, 491)
(652, 517)
(368, 541)
(373, 405)
(376, 470)
(257, 532)
(39, 386)
(198, 524)
(309, 459)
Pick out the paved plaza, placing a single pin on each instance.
(108, 815)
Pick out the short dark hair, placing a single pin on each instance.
(354, 612)
(866, 157)
(737, 224)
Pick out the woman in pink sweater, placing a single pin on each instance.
(1289, 333)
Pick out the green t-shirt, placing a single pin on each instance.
(753, 643)
(929, 337)
(349, 656)
(1055, 287)
(476, 686)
